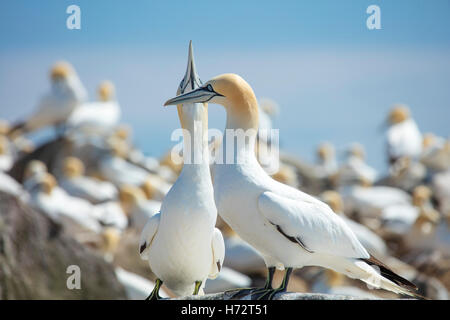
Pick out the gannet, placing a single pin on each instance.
(114, 167)
(97, 117)
(403, 136)
(75, 183)
(370, 240)
(10, 186)
(268, 109)
(67, 93)
(436, 153)
(181, 244)
(55, 203)
(34, 171)
(290, 228)
(368, 201)
(138, 209)
(355, 168)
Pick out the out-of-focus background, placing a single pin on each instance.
(334, 78)
(362, 117)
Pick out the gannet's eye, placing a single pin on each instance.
(210, 88)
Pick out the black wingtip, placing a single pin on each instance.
(391, 275)
(142, 248)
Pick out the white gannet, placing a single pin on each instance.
(326, 161)
(436, 153)
(403, 136)
(370, 240)
(34, 171)
(57, 204)
(268, 109)
(114, 167)
(67, 93)
(181, 244)
(368, 201)
(290, 228)
(138, 209)
(97, 117)
(355, 168)
(75, 183)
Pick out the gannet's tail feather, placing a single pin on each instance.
(377, 275)
(387, 273)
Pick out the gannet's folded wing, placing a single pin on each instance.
(316, 228)
(218, 249)
(147, 235)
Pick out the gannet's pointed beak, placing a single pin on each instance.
(191, 80)
(199, 95)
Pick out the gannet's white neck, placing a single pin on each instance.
(194, 121)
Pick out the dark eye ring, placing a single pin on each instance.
(210, 88)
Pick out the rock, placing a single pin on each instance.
(35, 253)
(280, 296)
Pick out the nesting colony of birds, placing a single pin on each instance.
(174, 230)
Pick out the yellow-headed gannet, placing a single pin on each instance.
(138, 209)
(290, 228)
(403, 136)
(436, 153)
(181, 244)
(67, 93)
(56, 203)
(355, 168)
(77, 184)
(441, 189)
(97, 117)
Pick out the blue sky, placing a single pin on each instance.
(333, 78)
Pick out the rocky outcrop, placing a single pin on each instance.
(35, 254)
(280, 296)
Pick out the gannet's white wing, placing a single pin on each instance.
(314, 227)
(218, 249)
(147, 235)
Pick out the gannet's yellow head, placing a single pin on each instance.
(73, 167)
(357, 150)
(398, 114)
(3, 144)
(269, 106)
(34, 167)
(110, 239)
(149, 189)
(428, 140)
(106, 91)
(230, 91)
(4, 127)
(61, 70)
(48, 183)
(421, 195)
(334, 200)
(129, 197)
(122, 132)
(325, 151)
(118, 148)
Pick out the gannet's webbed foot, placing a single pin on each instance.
(270, 293)
(254, 291)
(197, 287)
(155, 293)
